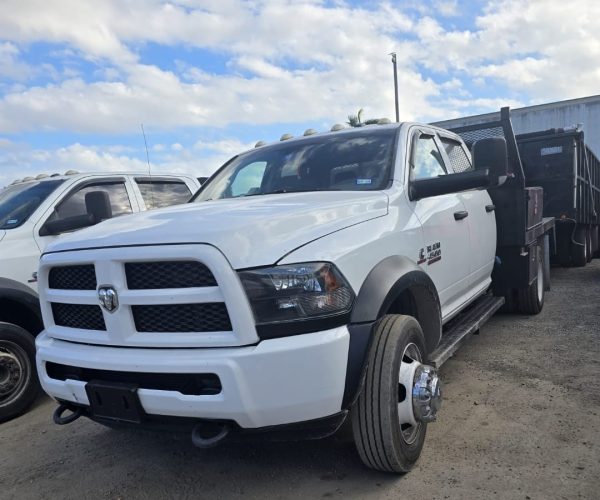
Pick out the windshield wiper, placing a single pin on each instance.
(284, 190)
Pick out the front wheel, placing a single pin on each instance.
(400, 395)
(19, 385)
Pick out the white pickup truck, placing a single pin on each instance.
(309, 280)
(35, 212)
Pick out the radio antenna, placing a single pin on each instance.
(149, 168)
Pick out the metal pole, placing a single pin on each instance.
(393, 54)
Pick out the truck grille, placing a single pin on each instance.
(86, 317)
(168, 296)
(168, 274)
(81, 277)
(205, 317)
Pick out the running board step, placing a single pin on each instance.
(462, 326)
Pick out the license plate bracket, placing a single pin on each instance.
(115, 401)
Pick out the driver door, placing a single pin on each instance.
(73, 203)
(446, 253)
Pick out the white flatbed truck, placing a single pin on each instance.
(309, 281)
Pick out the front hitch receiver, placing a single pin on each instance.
(58, 417)
(426, 394)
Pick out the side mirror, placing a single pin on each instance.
(491, 154)
(97, 206)
(446, 184)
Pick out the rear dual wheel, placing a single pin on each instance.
(595, 246)
(580, 246)
(531, 299)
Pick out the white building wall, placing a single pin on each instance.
(562, 114)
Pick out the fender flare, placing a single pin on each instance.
(18, 292)
(383, 285)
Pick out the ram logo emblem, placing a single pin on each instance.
(108, 298)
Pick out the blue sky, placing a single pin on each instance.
(208, 78)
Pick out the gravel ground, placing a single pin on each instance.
(521, 419)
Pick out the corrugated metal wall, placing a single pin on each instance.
(585, 111)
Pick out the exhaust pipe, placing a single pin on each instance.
(76, 412)
(209, 434)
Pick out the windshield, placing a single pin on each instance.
(19, 201)
(357, 161)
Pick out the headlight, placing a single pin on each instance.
(297, 292)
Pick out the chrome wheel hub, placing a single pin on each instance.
(15, 372)
(426, 394)
(10, 373)
(419, 394)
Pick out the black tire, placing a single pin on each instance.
(588, 240)
(531, 299)
(379, 439)
(510, 302)
(19, 384)
(579, 247)
(595, 247)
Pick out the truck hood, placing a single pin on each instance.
(250, 231)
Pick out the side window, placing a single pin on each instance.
(74, 204)
(458, 159)
(426, 161)
(157, 194)
(249, 179)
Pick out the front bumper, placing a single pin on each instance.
(276, 382)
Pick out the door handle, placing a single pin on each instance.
(490, 208)
(463, 214)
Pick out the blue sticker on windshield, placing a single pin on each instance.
(360, 182)
(12, 221)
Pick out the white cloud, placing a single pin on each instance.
(18, 160)
(287, 62)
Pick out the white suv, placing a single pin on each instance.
(35, 212)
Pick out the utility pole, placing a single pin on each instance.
(393, 54)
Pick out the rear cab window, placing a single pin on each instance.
(459, 160)
(158, 193)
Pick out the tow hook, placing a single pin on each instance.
(426, 394)
(58, 418)
(209, 434)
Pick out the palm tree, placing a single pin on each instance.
(355, 120)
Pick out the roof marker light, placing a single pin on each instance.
(310, 131)
(286, 137)
(337, 127)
